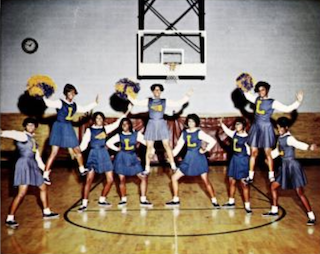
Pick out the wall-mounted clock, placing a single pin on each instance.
(29, 45)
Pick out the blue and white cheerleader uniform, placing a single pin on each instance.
(291, 175)
(98, 159)
(261, 134)
(194, 162)
(157, 128)
(28, 166)
(239, 163)
(62, 133)
(126, 162)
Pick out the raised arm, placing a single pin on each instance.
(52, 103)
(15, 135)
(85, 140)
(178, 146)
(226, 130)
(208, 139)
(112, 141)
(136, 102)
(287, 109)
(291, 141)
(181, 102)
(250, 97)
(111, 127)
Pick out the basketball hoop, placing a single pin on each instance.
(172, 72)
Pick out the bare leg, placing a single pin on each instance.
(150, 145)
(274, 193)
(123, 190)
(44, 196)
(168, 149)
(303, 199)
(175, 184)
(143, 185)
(78, 156)
(107, 187)
(208, 185)
(253, 157)
(232, 187)
(89, 180)
(246, 192)
(18, 199)
(53, 154)
(269, 158)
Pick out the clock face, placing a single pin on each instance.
(29, 45)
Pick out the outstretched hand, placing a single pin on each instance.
(220, 122)
(299, 96)
(97, 99)
(313, 147)
(190, 92)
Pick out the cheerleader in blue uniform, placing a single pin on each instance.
(239, 163)
(261, 134)
(195, 162)
(98, 159)
(157, 129)
(62, 133)
(291, 175)
(126, 162)
(27, 170)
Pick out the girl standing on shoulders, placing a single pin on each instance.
(261, 134)
(157, 128)
(62, 133)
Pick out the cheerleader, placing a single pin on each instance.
(261, 134)
(27, 170)
(195, 162)
(63, 134)
(98, 159)
(291, 175)
(157, 129)
(126, 162)
(239, 164)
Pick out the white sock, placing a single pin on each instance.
(271, 174)
(173, 166)
(46, 210)
(85, 202)
(143, 199)
(311, 215)
(251, 174)
(274, 209)
(124, 199)
(147, 168)
(46, 174)
(10, 217)
(231, 201)
(102, 199)
(214, 200)
(81, 169)
(175, 199)
(247, 205)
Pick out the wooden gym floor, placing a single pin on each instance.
(194, 228)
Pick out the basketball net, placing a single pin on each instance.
(172, 77)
